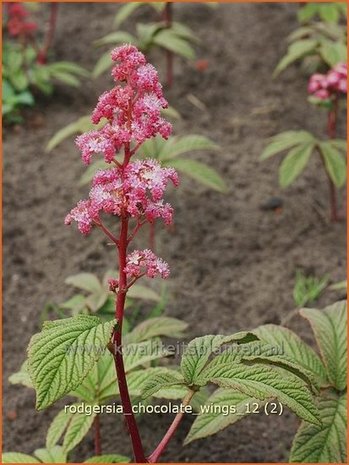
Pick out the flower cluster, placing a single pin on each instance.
(132, 108)
(145, 262)
(17, 24)
(135, 190)
(324, 86)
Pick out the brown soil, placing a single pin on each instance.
(233, 264)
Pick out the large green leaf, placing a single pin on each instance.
(292, 347)
(198, 171)
(333, 52)
(263, 382)
(77, 127)
(285, 140)
(57, 427)
(141, 353)
(117, 37)
(55, 454)
(330, 329)
(22, 376)
(169, 40)
(223, 408)
(161, 380)
(200, 349)
(296, 51)
(186, 144)
(85, 281)
(62, 354)
(294, 163)
(158, 326)
(78, 427)
(334, 162)
(17, 457)
(324, 443)
(137, 291)
(125, 11)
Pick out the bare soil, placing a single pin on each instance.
(233, 264)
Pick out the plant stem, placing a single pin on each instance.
(155, 455)
(42, 56)
(169, 55)
(331, 132)
(97, 426)
(132, 427)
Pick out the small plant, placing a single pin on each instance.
(317, 44)
(326, 91)
(25, 66)
(308, 288)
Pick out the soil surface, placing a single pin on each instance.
(233, 264)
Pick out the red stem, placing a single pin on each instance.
(97, 426)
(169, 55)
(331, 132)
(132, 427)
(42, 56)
(155, 455)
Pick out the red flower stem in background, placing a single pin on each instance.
(155, 455)
(169, 54)
(42, 55)
(132, 427)
(97, 426)
(331, 132)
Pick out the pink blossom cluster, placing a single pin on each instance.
(135, 190)
(324, 86)
(17, 24)
(132, 108)
(145, 262)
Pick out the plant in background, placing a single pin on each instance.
(308, 288)
(25, 66)
(317, 44)
(326, 91)
(66, 356)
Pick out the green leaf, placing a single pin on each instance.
(330, 330)
(86, 281)
(62, 354)
(178, 146)
(200, 349)
(296, 51)
(76, 304)
(109, 458)
(200, 172)
(57, 428)
(329, 12)
(54, 455)
(137, 291)
(19, 80)
(25, 98)
(294, 163)
(102, 65)
(306, 12)
(158, 326)
(341, 285)
(92, 169)
(333, 52)
(263, 382)
(159, 381)
(68, 131)
(169, 40)
(17, 457)
(340, 144)
(125, 11)
(334, 162)
(211, 418)
(22, 376)
(293, 348)
(68, 67)
(325, 443)
(78, 427)
(117, 37)
(285, 140)
(66, 78)
(141, 353)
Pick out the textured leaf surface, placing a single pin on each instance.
(137, 354)
(264, 383)
(78, 427)
(292, 347)
(211, 421)
(17, 457)
(159, 381)
(334, 162)
(57, 428)
(285, 140)
(55, 454)
(325, 443)
(62, 354)
(200, 349)
(330, 329)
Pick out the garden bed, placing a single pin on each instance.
(233, 263)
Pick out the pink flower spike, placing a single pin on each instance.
(83, 215)
(141, 262)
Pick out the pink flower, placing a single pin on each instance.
(132, 108)
(113, 284)
(83, 214)
(325, 86)
(142, 262)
